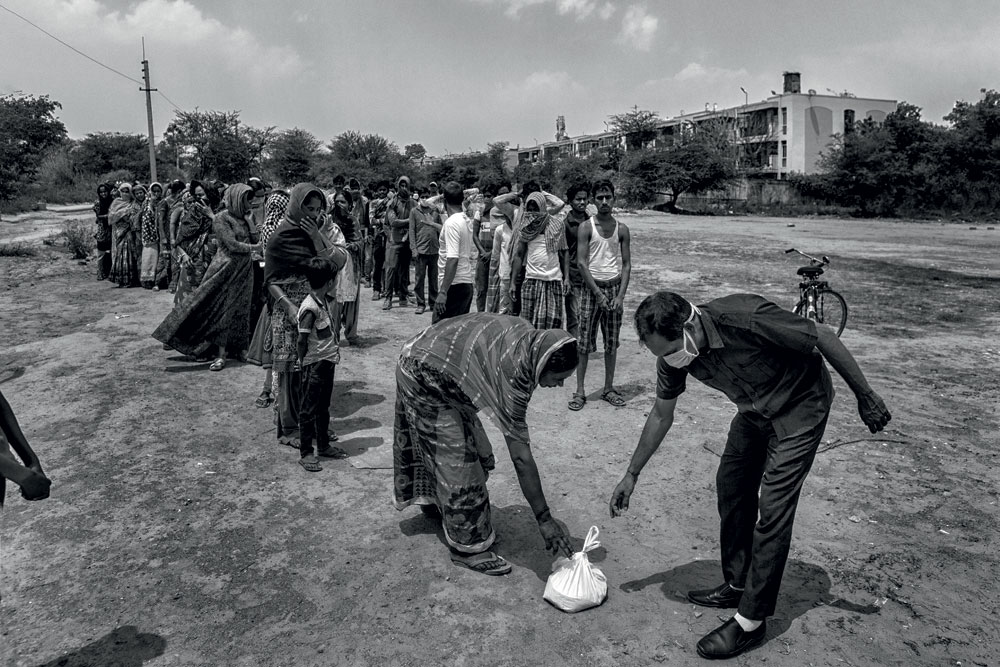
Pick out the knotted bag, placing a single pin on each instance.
(575, 584)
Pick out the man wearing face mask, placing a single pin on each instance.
(770, 363)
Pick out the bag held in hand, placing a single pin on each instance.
(575, 584)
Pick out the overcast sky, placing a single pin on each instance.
(458, 74)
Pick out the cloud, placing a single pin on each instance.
(698, 72)
(638, 28)
(541, 83)
(169, 27)
(580, 9)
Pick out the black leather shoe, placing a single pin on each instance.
(729, 640)
(723, 597)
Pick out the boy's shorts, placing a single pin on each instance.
(592, 315)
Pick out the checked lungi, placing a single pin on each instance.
(543, 303)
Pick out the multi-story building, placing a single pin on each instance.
(784, 133)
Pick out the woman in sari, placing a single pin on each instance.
(216, 314)
(124, 216)
(102, 230)
(150, 237)
(195, 245)
(441, 455)
(286, 258)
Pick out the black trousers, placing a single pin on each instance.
(397, 270)
(378, 262)
(482, 282)
(314, 408)
(755, 550)
(459, 302)
(426, 268)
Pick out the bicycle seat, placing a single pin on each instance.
(810, 271)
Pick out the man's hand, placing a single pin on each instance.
(512, 292)
(621, 495)
(602, 302)
(556, 540)
(873, 412)
(36, 485)
(440, 304)
(619, 303)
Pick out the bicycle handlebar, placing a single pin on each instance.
(813, 260)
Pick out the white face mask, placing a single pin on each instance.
(689, 352)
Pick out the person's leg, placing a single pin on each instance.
(432, 279)
(611, 325)
(390, 286)
(309, 408)
(403, 275)
(586, 340)
(482, 283)
(421, 271)
(573, 310)
(378, 267)
(788, 463)
(350, 319)
(528, 299)
(737, 482)
(463, 299)
(289, 392)
(504, 296)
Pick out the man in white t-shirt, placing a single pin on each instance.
(456, 257)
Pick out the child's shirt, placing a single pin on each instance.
(323, 342)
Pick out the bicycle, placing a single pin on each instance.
(817, 301)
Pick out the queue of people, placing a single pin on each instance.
(275, 276)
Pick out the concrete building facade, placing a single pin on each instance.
(785, 133)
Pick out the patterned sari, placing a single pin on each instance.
(124, 218)
(445, 375)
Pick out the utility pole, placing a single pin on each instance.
(149, 113)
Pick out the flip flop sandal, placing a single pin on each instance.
(332, 453)
(486, 563)
(333, 436)
(217, 365)
(264, 399)
(310, 464)
(577, 402)
(613, 397)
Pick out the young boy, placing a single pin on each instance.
(319, 354)
(605, 262)
(30, 477)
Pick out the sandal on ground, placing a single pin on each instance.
(310, 463)
(577, 402)
(289, 442)
(485, 563)
(332, 453)
(613, 397)
(333, 435)
(218, 364)
(263, 400)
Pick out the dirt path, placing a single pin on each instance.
(179, 533)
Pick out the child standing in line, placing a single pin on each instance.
(318, 354)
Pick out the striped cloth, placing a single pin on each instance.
(543, 303)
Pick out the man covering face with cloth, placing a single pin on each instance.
(770, 363)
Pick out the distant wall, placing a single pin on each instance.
(753, 192)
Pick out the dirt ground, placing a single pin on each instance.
(180, 533)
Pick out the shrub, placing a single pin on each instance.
(17, 249)
(79, 239)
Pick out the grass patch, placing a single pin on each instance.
(79, 239)
(18, 249)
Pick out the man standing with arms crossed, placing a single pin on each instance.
(770, 363)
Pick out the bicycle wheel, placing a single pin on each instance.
(831, 310)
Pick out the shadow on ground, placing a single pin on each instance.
(122, 647)
(803, 587)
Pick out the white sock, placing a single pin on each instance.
(746, 623)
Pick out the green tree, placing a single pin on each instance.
(292, 155)
(28, 127)
(213, 144)
(103, 152)
(415, 152)
(638, 126)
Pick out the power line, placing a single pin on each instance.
(72, 48)
(168, 100)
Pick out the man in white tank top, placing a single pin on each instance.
(605, 261)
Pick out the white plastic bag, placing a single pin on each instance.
(575, 584)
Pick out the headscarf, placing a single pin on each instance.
(289, 247)
(274, 213)
(154, 199)
(345, 221)
(237, 199)
(496, 360)
(534, 223)
(294, 212)
(120, 208)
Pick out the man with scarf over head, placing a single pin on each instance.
(540, 245)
